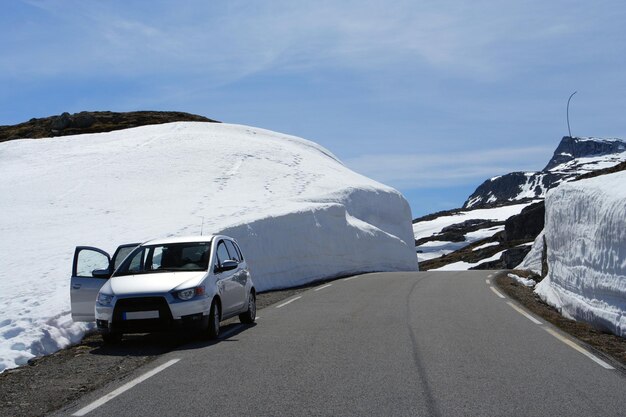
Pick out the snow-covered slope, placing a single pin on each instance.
(572, 158)
(438, 246)
(451, 232)
(298, 213)
(585, 235)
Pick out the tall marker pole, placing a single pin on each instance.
(568, 100)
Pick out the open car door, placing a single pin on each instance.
(84, 285)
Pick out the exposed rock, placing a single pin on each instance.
(60, 122)
(526, 225)
(514, 256)
(571, 148)
(433, 216)
(456, 232)
(507, 188)
(491, 265)
(92, 122)
(611, 170)
(83, 120)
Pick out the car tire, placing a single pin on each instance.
(111, 338)
(213, 329)
(250, 315)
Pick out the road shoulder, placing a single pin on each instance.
(604, 344)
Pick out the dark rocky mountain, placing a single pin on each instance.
(572, 158)
(573, 148)
(92, 122)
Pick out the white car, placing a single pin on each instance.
(184, 282)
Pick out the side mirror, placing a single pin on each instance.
(101, 273)
(228, 265)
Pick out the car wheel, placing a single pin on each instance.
(111, 338)
(250, 315)
(214, 321)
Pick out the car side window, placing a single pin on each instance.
(234, 255)
(238, 251)
(222, 252)
(121, 254)
(136, 264)
(156, 255)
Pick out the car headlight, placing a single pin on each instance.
(189, 293)
(105, 299)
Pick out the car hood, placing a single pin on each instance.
(161, 282)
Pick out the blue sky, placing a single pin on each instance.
(431, 97)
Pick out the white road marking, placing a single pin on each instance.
(323, 286)
(490, 276)
(523, 313)
(349, 278)
(124, 388)
(488, 281)
(575, 346)
(497, 292)
(287, 302)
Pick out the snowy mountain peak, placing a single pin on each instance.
(573, 157)
(572, 148)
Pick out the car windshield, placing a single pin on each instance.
(172, 257)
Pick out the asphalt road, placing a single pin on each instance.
(400, 344)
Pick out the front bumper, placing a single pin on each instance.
(152, 314)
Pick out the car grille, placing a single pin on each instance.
(128, 305)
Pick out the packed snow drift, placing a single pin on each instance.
(585, 234)
(298, 213)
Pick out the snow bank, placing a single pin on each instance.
(298, 213)
(586, 247)
(523, 281)
(464, 266)
(486, 245)
(532, 261)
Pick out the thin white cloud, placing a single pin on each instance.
(236, 39)
(415, 171)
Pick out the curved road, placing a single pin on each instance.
(387, 344)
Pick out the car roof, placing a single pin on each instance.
(179, 239)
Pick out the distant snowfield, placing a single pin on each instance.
(429, 227)
(436, 249)
(585, 234)
(464, 266)
(298, 213)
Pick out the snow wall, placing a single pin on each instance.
(586, 251)
(298, 213)
(532, 261)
